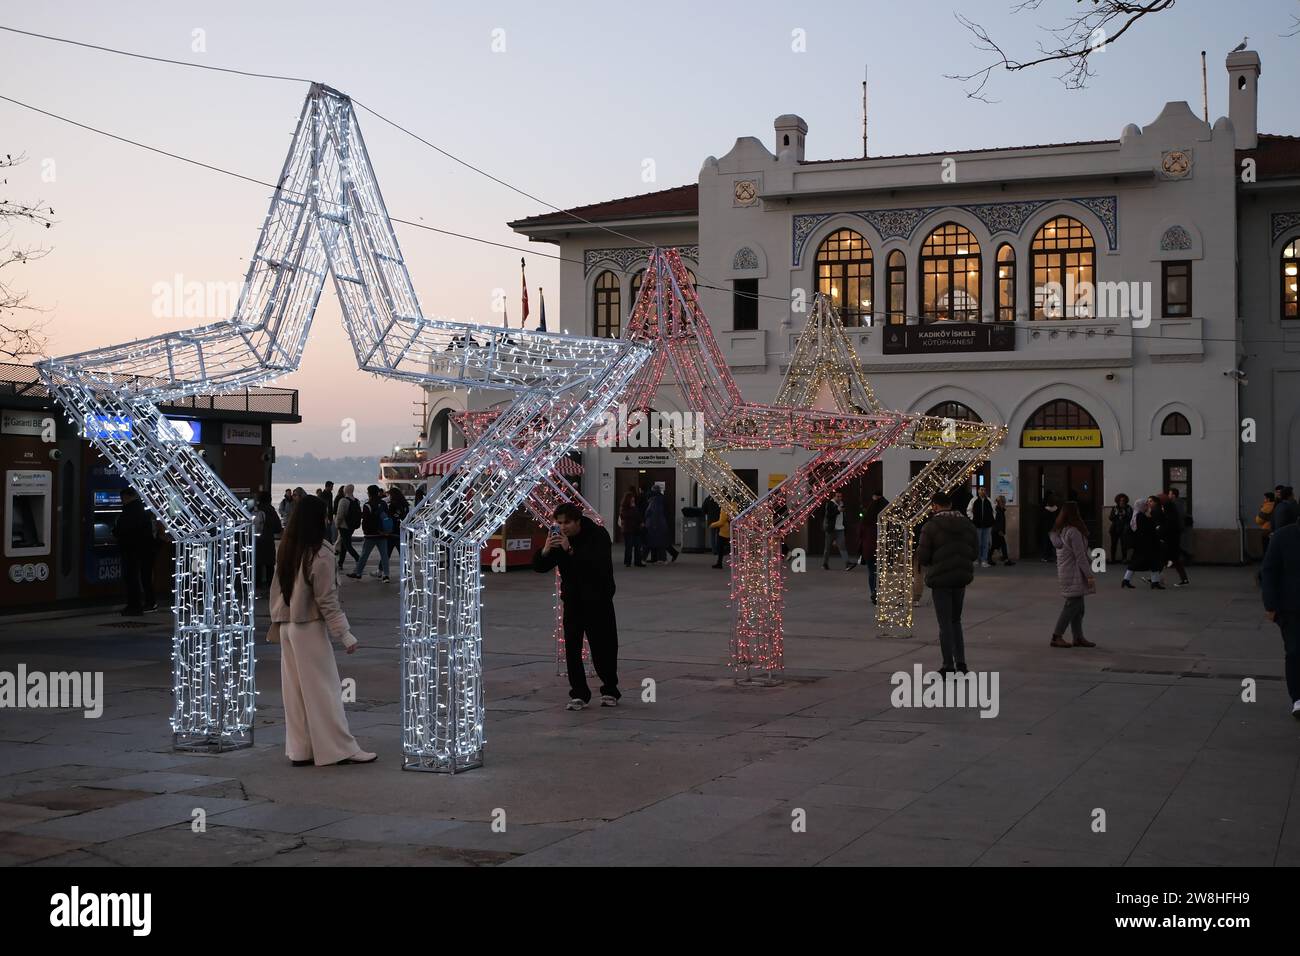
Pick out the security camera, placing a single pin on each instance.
(1238, 374)
(1110, 376)
(56, 454)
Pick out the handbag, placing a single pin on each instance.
(273, 633)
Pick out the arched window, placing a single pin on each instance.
(957, 411)
(1061, 424)
(1064, 257)
(844, 274)
(1175, 423)
(1006, 283)
(896, 280)
(1291, 279)
(636, 289)
(607, 311)
(950, 275)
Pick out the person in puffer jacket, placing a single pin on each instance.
(1074, 572)
(947, 552)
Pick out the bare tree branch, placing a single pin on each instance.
(1102, 23)
(22, 324)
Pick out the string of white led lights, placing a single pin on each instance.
(327, 216)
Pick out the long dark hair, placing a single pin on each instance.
(303, 537)
(1070, 518)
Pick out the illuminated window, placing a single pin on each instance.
(950, 275)
(1006, 284)
(608, 315)
(1064, 258)
(844, 275)
(1176, 279)
(896, 279)
(957, 411)
(1291, 279)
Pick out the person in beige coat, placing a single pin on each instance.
(304, 616)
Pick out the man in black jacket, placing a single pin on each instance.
(981, 513)
(1280, 580)
(947, 551)
(134, 534)
(581, 550)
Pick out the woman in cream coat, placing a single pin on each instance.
(304, 616)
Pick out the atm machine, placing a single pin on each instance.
(28, 522)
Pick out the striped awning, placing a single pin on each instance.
(448, 460)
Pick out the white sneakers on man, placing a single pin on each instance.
(1295, 710)
(575, 703)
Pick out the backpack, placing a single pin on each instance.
(354, 513)
(386, 523)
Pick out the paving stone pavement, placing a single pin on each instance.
(1149, 728)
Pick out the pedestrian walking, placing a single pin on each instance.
(833, 525)
(947, 552)
(658, 527)
(1000, 531)
(1121, 516)
(981, 513)
(286, 506)
(347, 518)
(134, 531)
(398, 509)
(629, 522)
(376, 525)
(723, 527)
(868, 538)
(580, 548)
(1285, 510)
(1171, 538)
(305, 615)
(1073, 573)
(326, 496)
(267, 526)
(1147, 553)
(1264, 519)
(711, 511)
(1280, 583)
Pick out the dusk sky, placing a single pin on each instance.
(581, 95)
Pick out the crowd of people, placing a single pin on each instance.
(316, 533)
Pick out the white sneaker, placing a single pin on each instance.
(984, 564)
(1295, 710)
(607, 701)
(575, 703)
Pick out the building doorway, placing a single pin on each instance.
(857, 494)
(626, 479)
(1079, 481)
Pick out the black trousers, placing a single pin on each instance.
(345, 546)
(137, 575)
(596, 620)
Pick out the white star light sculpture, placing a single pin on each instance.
(540, 505)
(327, 216)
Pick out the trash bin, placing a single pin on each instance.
(695, 531)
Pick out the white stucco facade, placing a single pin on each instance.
(1164, 192)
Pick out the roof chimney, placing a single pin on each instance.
(790, 134)
(1243, 97)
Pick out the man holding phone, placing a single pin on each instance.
(581, 549)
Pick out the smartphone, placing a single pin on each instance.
(555, 529)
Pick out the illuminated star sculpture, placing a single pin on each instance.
(667, 317)
(825, 367)
(327, 217)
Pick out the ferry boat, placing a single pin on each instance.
(401, 469)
